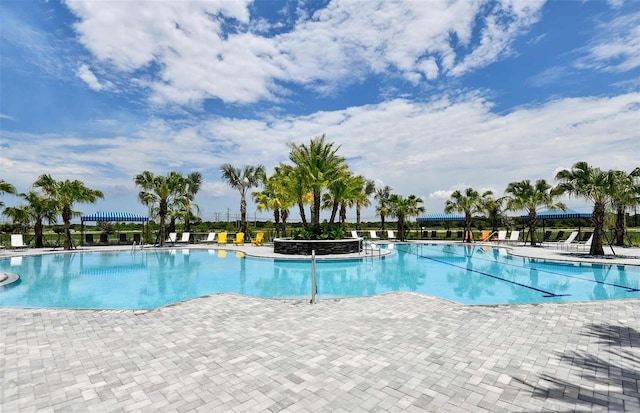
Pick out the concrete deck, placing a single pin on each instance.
(396, 352)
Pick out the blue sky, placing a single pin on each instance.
(424, 96)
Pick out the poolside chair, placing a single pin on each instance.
(502, 236)
(17, 242)
(390, 234)
(88, 238)
(173, 237)
(584, 244)
(585, 237)
(354, 234)
(259, 239)
(568, 241)
(137, 239)
(447, 235)
(185, 238)
(485, 235)
(123, 237)
(514, 237)
(373, 235)
(222, 238)
(559, 236)
(434, 234)
(211, 237)
(239, 239)
(104, 238)
(459, 234)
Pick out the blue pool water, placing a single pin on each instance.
(153, 278)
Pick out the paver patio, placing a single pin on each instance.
(395, 352)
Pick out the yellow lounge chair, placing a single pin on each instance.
(259, 239)
(222, 238)
(239, 239)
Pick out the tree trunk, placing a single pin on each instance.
(467, 228)
(401, 227)
(598, 223)
(358, 217)
(285, 215)
(66, 218)
(243, 213)
(343, 215)
(532, 227)
(162, 213)
(303, 217)
(38, 229)
(334, 212)
(620, 218)
(382, 227)
(276, 218)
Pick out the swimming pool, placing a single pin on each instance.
(147, 279)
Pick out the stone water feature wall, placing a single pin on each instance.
(322, 247)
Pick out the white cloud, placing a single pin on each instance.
(185, 53)
(416, 148)
(616, 48)
(3, 116)
(90, 79)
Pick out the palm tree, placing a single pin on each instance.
(276, 197)
(6, 188)
(468, 202)
(625, 193)
(318, 166)
(64, 194)
(403, 208)
(192, 184)
(382, 196)
(524, 195)
(159, 192)
(493, 210)
(242, 180)
(593, 184)
(19, 217)
(368, 189)
(39, 209)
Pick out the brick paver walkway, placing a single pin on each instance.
(395, 352)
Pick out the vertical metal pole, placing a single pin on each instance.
(313, 276)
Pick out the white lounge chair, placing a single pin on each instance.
(502, 236)
(514, 237)
(173, 237)
(373, 235)
(390, 234)
(567, 242)
(354, 234)
(211, 237)
(17, 242)
(185, 238)
(586, 244)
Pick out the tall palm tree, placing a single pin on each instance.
(382, 195)
(158, 192)
(593, 184)
(242, 180)
(6, 188)
(318, 166)
(469, 202)
(625, 193)
(403, 208)
(192, 185)
(65, 194)
(364, 200)
(524, 195)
